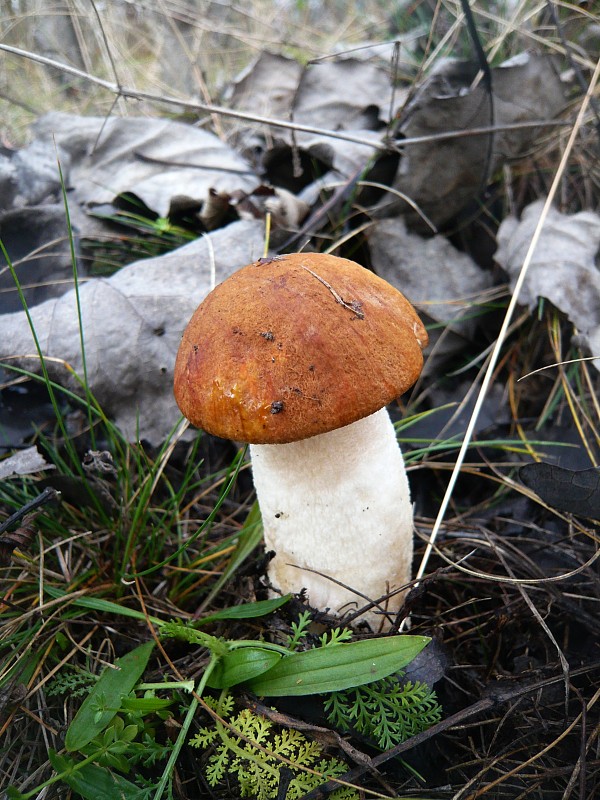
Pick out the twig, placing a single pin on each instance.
(353, 305)
(167, 162)
(488, 84)
(48, 495)
(384, 144)
(326, 734)
(125, 91)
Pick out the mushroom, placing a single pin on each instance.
(298, 355)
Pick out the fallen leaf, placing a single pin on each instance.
(575, 491)
(563, 267)
(29, 176)
(442, 176)
(266, 87)
(344, 94)
(132, 324)
(341, 94)
(154, 159)
(440, 281)
(24, 462)
(37, 243)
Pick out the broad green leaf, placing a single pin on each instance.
(332, 669)
(104, 701)
(93, 782)
(241, 665)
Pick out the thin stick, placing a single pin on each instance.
(353, 306)
(48, 495)
(125, 91)
(487, 379)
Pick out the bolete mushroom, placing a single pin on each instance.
(299, 355)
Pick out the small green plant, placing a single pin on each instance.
(256, 751)
(71, 682)
(113, 730)
(359, 677)
(386, 710)
(300, 631)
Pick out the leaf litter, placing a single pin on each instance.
(492, 648)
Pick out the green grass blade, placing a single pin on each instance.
(78, 302)
(250, 537)
(245, 611)
(101, 605)
(229, 482)
(248, 610)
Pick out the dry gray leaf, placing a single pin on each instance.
(442, 176)
(30, 176)
(442, 282)
(36, 240)
(346, 93)
(287, 210)
(343, 94)
(155, 159)
(266, 87)
(563, 267)
(132, 325)
(23, 462)
(346, 158)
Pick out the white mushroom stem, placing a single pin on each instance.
(338, 503)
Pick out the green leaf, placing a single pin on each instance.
(145, 705)
(244, 611)
(332, 669)
(104, 701)
(241, 665)
(247, 610)
(92, 782)
(99, 604)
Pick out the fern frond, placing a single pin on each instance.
(75, 683)
(252, 749)
(335, 636)
(204, 738)
(217, 765)
(299, 630)
(385, 710)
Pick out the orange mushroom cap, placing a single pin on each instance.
(295, 346)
